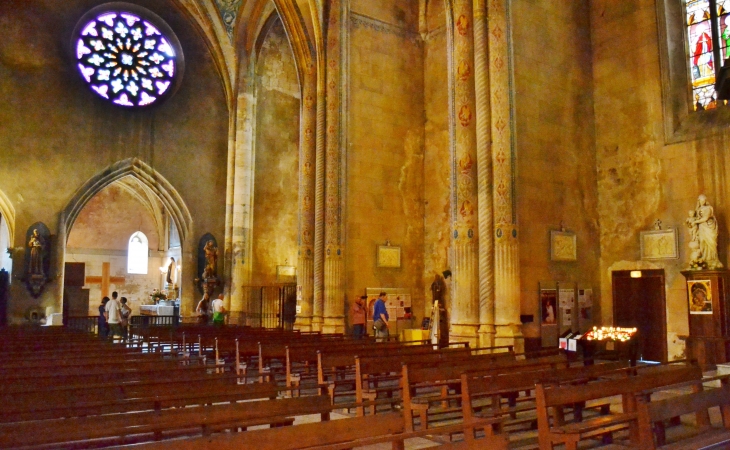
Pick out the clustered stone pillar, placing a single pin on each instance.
(464, 241)
(318, 301)
(484, 176)
(334, 321)
(506, 263)
(240, 272)
(307, 164)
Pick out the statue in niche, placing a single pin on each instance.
(703, 231)
(211, 258)
(171, 277)
(36, 245)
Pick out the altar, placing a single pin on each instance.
(161, 309)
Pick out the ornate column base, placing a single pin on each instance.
(316, 323)
(462, 332)
(334, 324)
(487, 335)
(303, 323)
(510, 334)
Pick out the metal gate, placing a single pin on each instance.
(270, 306)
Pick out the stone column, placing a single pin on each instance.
(334, 319)
(506, 263)
(307, 165)
(464, 238)
(242, 199)
(318, 301)
(230, 187)
(484, 177)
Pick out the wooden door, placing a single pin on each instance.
(641, 303)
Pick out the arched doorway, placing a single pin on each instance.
(96, 230)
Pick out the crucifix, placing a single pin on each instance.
(104, 280)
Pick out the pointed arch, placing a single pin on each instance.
(8, 212)
(147, 177)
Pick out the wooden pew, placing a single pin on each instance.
(118, 429)
(123, 399)
(652, 415)
(438, 379)
(552, 400)
(372, 371)
(332, 435)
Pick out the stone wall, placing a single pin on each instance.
(277, 158)
(437, 156)
(384, 148)
(640, 178)
(554, 144)
(57, 134)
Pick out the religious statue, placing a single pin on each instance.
(36, 245)
(171, 272)
(703, 233)
(211, 258)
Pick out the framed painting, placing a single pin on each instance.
(563, 246)
(659, 244)
(388, 256)
(700, 296)
(286, 274)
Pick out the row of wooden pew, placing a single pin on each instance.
(201, 387)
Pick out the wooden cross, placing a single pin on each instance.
(104, 280)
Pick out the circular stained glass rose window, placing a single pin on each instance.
(128, 55)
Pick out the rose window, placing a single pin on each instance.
(129, 58)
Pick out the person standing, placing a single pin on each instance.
(113, 315)
(380, 318)
(102, 324)
(219, 311)
(359, 314)
(126, 311)
(203, 309)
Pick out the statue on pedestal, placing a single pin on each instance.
(703, 233)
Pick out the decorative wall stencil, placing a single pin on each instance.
(659, 244)
(563, 246)
(37, 257)
(229, 11)
(388, 256)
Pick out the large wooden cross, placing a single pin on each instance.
(104, 280)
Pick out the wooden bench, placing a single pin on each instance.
(332, 435)
(552, 400)
(652, 415)
(118, 429)
(426, 384)
(121, 399)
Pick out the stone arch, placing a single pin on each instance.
(147, 176)
(7, 210)
(153, 184)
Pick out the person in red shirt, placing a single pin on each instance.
(359, 315)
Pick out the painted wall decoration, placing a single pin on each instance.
(700, 296)
(563, 246)
(229, 12)
(659, 244)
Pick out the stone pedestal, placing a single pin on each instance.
(709, 332)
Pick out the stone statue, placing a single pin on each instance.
(703, 232)
(36, 244)
(171, 272)
(211, 257)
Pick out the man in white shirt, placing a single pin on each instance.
(113, 314)
(218, 311)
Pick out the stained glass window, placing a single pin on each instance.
(130, 58)
(708, 42)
